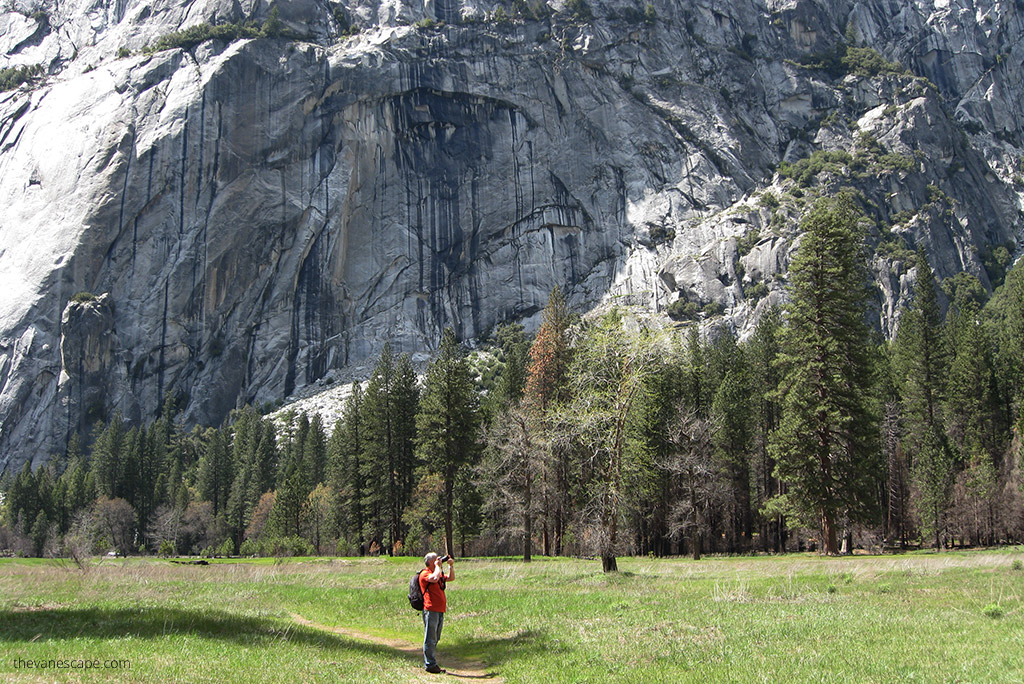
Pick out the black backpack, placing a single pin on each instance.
(415, 594)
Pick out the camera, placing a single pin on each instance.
(445, 558)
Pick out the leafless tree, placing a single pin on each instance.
(164, 525)
(114, 519)
(514, 461)
(691, 463)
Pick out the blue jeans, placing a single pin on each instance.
(432, 624)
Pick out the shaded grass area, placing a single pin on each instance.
(931, 617)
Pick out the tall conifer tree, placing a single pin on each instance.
(447, 422)
(826, 446)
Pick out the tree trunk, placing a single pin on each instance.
(608, 563)
(828, 534)
(449, 539)
(527, 518)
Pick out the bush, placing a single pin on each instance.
(769, 200)
(866, 61)
(579, 10)
(806, 170)
(426, 23)
(993, 611)
(842, 59)
(83, 297)
(166, 548)
(682, 310)
(662, 233)
(189, 38)
(12, 77)
(747, 242)
(226, 549)
(284, 547)
(713, 309)
(756, 292)
(650, 15)
(248, 548)
(499, 16)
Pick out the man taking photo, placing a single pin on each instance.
(432, 584)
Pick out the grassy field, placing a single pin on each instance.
(921, 617)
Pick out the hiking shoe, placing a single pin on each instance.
(434, 669)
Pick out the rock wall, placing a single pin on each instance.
(260, 213)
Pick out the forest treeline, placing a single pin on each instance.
(600, 436)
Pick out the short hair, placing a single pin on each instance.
(429, 559)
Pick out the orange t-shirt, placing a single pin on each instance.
(433, 593)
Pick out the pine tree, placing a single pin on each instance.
(108, 458)
(763, 350)
(511, 383)
(731, 411)
(345, 472)
(379, 462)
(923, 364)
(826, 446)
(215, 471)
(447, 422)
(314, 453)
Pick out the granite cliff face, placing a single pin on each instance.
(257, 214)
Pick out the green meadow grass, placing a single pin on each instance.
(915, 617)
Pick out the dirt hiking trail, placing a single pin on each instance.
(456, 667)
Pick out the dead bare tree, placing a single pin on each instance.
(691, 463)
(516, 449)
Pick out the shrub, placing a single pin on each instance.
(345, 25)
(83, 297)
(123, 52)
(166, 548)
(713, 309)
(499, 16)
(425, 23)
(1017, 564)
(993, 611)
(285, 547)
(894, 249)
(682, 310)
(746, 243)
(756, 292)
(842, 59)
(579, 10)
(248, 548)
(769, 200)
(189, 38)
(866, 61)
(12, 77)
(227, 548)
(805, 170)
(662, 233)
(650, 15)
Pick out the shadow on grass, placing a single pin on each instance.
(157, 622)
(495, 651)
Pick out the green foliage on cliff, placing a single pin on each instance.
(12, 77)
(842, 60)
(189, 38)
